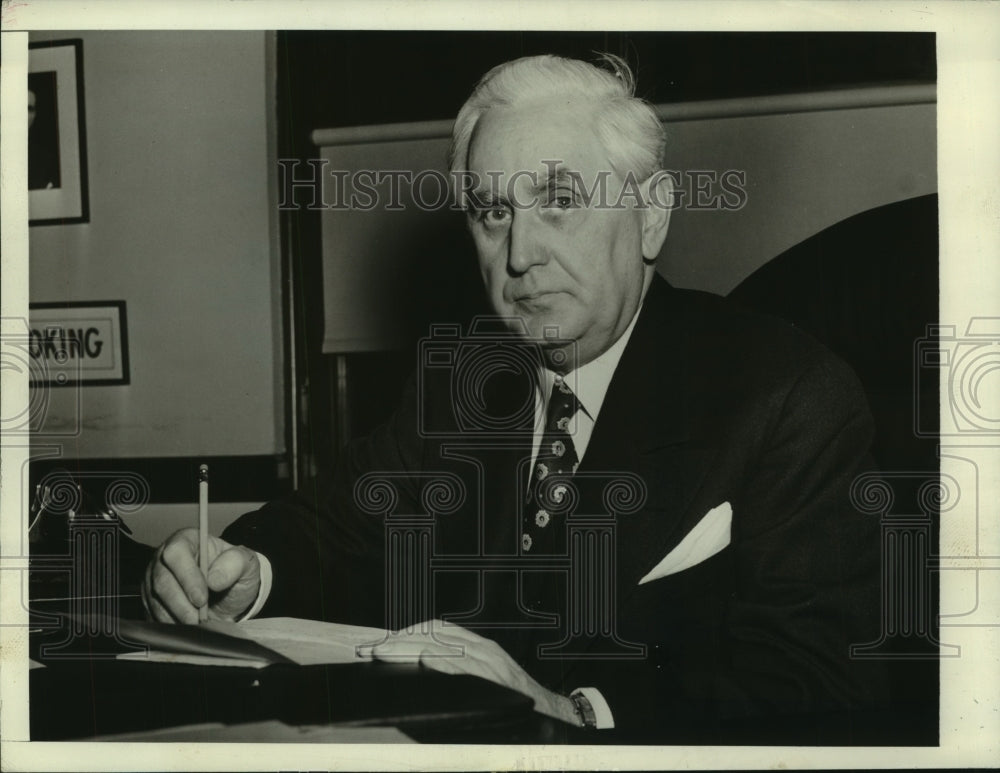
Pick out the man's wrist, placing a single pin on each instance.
(263, 591)
(561, 707)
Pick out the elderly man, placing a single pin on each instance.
(734, 587)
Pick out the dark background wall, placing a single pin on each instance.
(350, 78)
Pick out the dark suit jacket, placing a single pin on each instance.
(709, 404)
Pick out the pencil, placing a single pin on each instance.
(203, 533)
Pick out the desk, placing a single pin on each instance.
(82, 697)
(82, 692)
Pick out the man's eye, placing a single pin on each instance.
(561, 201)
(493, 217)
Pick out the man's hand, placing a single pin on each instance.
(174, 586)
(452, 649)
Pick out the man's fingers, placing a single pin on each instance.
(444, 665)
(180, 556)
(174, 587)
(450, 633)
(410, 648)
(400, 651)
(229, 567)
(427, 642)
(169, 594)
(158, 612)
(459, 651)
(455, 650)
(447, 661)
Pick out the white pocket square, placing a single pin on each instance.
(710, 535)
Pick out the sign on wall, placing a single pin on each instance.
(84, 342)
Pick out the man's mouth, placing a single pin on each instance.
(533, 296)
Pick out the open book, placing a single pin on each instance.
(254, 643)
(296, 673)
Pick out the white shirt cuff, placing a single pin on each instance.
(602, 712)
(266, 577)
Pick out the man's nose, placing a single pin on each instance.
(522, 248)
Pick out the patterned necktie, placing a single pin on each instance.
(556, 460)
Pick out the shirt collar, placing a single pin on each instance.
(590, 382)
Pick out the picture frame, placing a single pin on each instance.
(57, 145)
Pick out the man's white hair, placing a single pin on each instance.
(626, 125)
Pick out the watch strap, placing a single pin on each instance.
(584, 711)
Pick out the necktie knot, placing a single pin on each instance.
(562, 406)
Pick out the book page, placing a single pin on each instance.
(309, 642)
(304, 642)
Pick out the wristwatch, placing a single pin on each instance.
(584, 711)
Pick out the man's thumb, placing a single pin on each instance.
(228, 568)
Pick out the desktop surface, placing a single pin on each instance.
(80, 691)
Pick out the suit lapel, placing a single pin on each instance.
(644, 428)
(645, 406)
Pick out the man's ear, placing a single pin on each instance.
(658, 191)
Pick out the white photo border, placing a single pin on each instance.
(969, 175)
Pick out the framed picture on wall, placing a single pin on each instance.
(57, 146)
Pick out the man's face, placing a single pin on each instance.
(546, 257)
